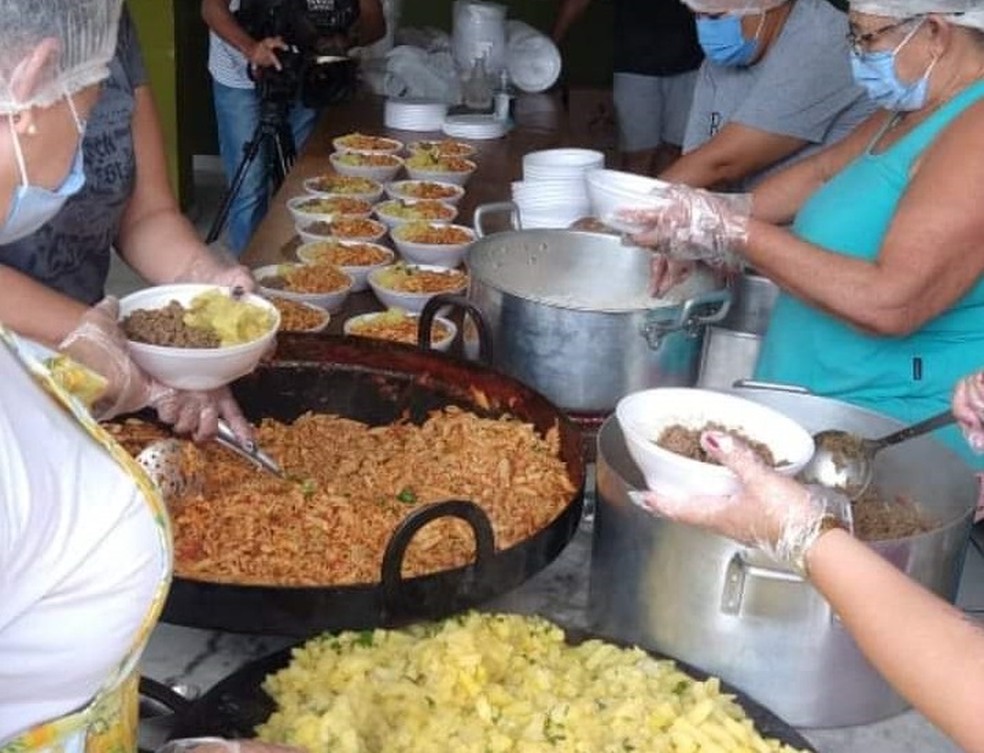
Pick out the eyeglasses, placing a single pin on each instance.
(860, 42)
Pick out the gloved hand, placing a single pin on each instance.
(198, 413)
(691, 223)
(772, 512)
(968, 407)
(217, 268)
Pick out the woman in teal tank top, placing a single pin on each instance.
(882, 300)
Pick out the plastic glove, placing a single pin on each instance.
(968, 407)
(198, 413)
(99, 344)
(773, 512)
(217, 268)
(691, 223)
(220, 745)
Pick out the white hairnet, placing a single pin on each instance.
(735, 7)
(962, 12)
(85, 32)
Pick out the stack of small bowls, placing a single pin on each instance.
(553, 192)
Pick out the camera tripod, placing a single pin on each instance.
(274, 129)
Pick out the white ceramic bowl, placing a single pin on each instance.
(316, 187)
(306, 215)
(412, 302)
(323, 313)
(194, 368)
(379, 173)
(398, 189)
(331, 302)
(450, 147)
(560, 162)
(348, 143)
(307, 253)
(612, 191)
(644, 415)
(442, 254)
(444, 176)
(309, 233)
(442, 345)
(383, 210)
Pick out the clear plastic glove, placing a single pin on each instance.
(99, 344)
(220, 745)
(198, 413)
(968, 407)
(691, 223)
(773, 512)
(217, 268)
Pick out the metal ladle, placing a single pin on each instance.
(844, 461)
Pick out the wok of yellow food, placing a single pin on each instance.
(490, 683)
(406, 278)
(234, 321)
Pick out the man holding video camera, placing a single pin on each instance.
(259, 41)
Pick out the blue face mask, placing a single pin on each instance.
(875, 71)
(723, 41)
(33, 206)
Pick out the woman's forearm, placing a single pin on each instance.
(927, 649)
(36, 311)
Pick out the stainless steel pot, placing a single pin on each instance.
(734, 613)
(570, 314)
(731, 347)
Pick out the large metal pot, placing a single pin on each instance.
(734, 613)
(571, 316)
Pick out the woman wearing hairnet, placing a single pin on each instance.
(775, 87)
(62, 228)
(928, 650)
(85, 545)
(882, 297)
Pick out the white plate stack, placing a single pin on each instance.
(553, 192)
(414, 114)
(475, 126)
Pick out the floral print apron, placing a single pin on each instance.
(108, 724)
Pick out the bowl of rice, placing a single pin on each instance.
(443, 148)
(343, 229)
(378, 167)
(323, 285)
(333, 184)
(397, 325)
(296, 316)
(308, 209)
(410, 286)
(363, 142)
(399, 211)
(356, 258)
(435, 166)
(432, 243)
(432, 190)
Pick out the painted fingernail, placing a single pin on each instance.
(718, 441)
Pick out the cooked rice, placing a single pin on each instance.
(349, 254)
(437, 235)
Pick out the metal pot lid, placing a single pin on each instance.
(576, 270)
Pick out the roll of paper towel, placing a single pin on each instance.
(532, 59)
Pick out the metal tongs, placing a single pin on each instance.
(227, 438)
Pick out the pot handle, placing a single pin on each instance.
(394, 601)
(690, 317)
(496, 207)
(751, 384)
(438, 302)
(748, 565)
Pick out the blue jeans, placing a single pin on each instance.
(238, 113)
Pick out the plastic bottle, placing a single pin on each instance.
(477, 93)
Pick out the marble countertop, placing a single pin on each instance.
(196, 659)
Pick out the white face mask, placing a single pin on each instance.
(33, 206)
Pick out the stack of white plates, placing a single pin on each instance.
(553, 192)
(414, 114)
(475, 127)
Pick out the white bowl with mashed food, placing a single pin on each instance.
(211, 340)
(410, 286)
(655, 420)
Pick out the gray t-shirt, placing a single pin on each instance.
(802, 87)
(71, 253)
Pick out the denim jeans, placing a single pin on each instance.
(238, 113)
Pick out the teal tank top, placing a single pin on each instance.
(908, 378)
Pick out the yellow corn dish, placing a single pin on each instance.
(235, 322)
(484, 683)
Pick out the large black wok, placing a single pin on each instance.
(236, 705)
(377, 383)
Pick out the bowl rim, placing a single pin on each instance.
(193, 289)
(307, 304)
(633, 432)
(338, 146)
(294, 201)
(348, 241)
(276, 291)
(379, 210)
(414, 146)
(473, 235)
(452, 327)
(395, 186)
(307, 184)
(435, 171)
(299, 226)
(400, 162)
(425, 267)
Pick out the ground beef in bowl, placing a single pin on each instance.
(166, 326)
(684, 441)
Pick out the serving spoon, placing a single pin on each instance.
(844, 461)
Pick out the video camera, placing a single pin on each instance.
(313, 68)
